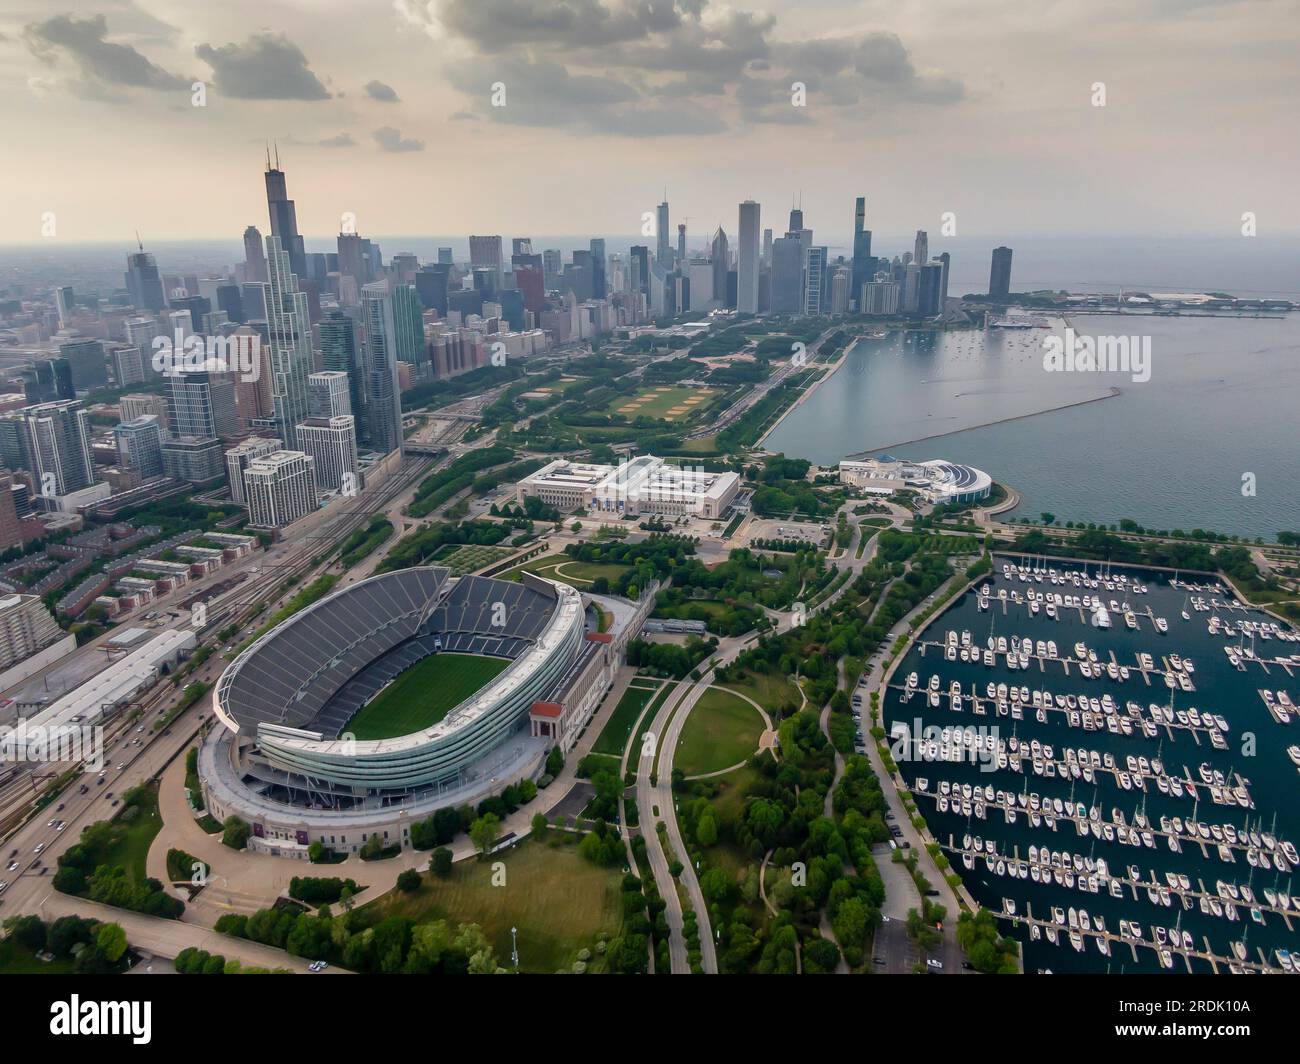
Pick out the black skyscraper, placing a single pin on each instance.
(284, 218)
(1000, 275)
(863, 264)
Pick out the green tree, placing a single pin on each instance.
(483, 832)
(111, 940)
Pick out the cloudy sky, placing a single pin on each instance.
(389, 109)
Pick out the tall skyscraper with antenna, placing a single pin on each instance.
(284, 218)
(289, 326)
(664, 251)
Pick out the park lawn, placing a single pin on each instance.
(618, 729)
(564, 570)
(560, 902)
(131, 839)
(769, 689)
(722, 730)
(423, 694)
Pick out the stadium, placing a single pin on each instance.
(395, 696)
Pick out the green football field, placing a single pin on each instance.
(423, 695)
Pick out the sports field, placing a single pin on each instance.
(662, 403)
(423, 695)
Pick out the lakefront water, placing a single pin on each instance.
(1170, 452)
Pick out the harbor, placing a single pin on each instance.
(1106, 757)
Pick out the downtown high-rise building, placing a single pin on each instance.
(289, 329)
(331, 442)
(747, 259)
(721, 260)
(241, 456)
(201, 403)
(787, 276)
(408, 325)
(64, 300)
(329, 394)
(143, 283)
(383, 397)
(139, 445)
(284, 218)
(279, 488)
(1000, 274)
(663, 250)
(816, 290)
(340, 352)
(485, 254)
(254, 256)
(598, 266)
(58, 447)
(921, 250)
(863, 264)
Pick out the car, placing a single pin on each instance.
(40, 846)
(877, 960)
(60, 809)
(930, 962)
(101, 781)
(12, 866)
(141, 728)
(61, 825)
(114, 802)
(3, 886)
(121, 767)
(51, 823)
(932, 893)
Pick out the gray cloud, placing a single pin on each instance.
(268, 66)
(339, 140)
(655, 67)
(390, 139)
(377, 90)
(84, 43)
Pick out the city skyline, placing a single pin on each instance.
(608, 105)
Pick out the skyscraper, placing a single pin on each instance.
(721, 263)
(332, 444)
(485, 253)
(284, 217)
(86, 364)
(63, 302)
(816, 292)
(663, 251)
(921, 253)
(143, 282)
(383, 401)
(280, 488)
(681, 242)
(787, 276)
(1000, 274)
(329, 394)
(931, 290)
(241, 456)
(747, 259)
(289, 327)
(598, 268)
(254, 257)
(408, 325)
(863, 266)
(139, 445)
(201, 404)
(58, 445)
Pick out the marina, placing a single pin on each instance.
(1076, 735)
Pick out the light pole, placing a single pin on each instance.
(514, 947)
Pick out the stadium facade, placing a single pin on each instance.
(283, 759)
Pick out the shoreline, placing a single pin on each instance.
(834, 368)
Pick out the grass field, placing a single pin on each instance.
(722, 731)
(769, 689)
(559, 901)
(618, 729)
(662, 403)
(468, 558)
(131, 839)
(564, 570)
(16, 960)
(423, 695)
